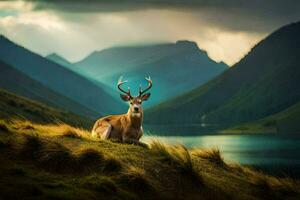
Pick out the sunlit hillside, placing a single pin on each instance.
(62, 162)
(17, 107)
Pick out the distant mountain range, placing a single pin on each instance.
(264, 82)
(58, 78)
(15, 81)
(174, 67)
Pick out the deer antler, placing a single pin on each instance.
(148, 88)
(120, 82)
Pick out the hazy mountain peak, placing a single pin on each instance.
(264, 82)
(59, 60)
(55, 56)
(187, 44)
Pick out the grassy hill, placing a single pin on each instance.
(168, 64)
(266, 81)
(286, 121)
(17, 107)
(62, 162)
(15, 81)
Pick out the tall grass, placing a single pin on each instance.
(55, 157)
(135, 178)
(3, 127)
(178, 156)
(212, 155)
(49, 155)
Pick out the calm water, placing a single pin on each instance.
(275, 154)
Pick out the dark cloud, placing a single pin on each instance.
(226, 29)
(240, 15)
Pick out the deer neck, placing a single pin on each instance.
(135, 119)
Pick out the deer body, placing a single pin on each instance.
(126, 127)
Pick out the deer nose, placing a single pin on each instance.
(136, 109)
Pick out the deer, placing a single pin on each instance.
(126, 128)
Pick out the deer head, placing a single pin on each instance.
(135, 103)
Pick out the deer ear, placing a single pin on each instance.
(145, 97)
(125, 97)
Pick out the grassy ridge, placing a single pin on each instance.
(62, 162)
(13, 106)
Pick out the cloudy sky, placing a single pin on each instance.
(226, 29)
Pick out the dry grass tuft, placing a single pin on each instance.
(212, 155)
(47, 154)
(65, 130)
(56, 157)
(160, 148)
(100, 184)
(135, 178)
(71, 134)
(31, 146)
(3, 127)
(285, 185)
(178, 156)
(90, 160)
(28, 127)
(262, 182)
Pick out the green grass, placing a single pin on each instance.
(41, 161)
(17, 107)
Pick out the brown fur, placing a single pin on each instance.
(126, 127)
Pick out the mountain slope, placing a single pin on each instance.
(15, 81)
(264, 82)
(16, 107)
(286, 121)
(59, 60)
(174, 67)
(58, 78)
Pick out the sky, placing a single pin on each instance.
(226, 29)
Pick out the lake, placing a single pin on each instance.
(274, 154)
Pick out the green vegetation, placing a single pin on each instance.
(16, 107)
(265, 82)
(286, 121)
(62, 162)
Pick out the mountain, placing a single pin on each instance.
(58, 78)
(14, 107)
(264, 82)
(286, 121)
(174, 67)
(59, 60)
(15, 81)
